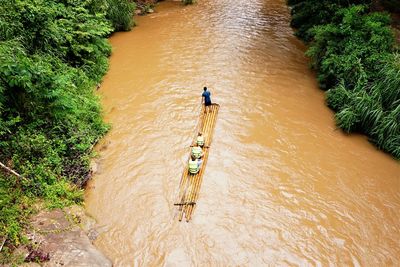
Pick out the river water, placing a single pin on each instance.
(282, 185)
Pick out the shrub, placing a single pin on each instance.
(353, 53)
(338, 97)
(308, 13)
(348, 120)
(353, 48)
(52, 54)
(120, 13)
(13, 209)
(373, 109)
(388, 83)
(387, 134)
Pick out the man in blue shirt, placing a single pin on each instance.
(207, 98)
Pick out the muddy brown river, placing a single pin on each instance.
(282, 186)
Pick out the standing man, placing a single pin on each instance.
(207, 98)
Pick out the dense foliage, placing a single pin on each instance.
(351, 48)
(120, 14)
(354, 53)
(309, 13)
(53, 53)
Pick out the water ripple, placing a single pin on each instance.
(282, 185)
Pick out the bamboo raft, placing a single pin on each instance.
(190, 183)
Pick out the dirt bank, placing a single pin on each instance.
(62, 238)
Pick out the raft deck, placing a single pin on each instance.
(190, 184)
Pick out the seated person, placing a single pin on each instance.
(194, 165)
(200, 139)
(197, 152)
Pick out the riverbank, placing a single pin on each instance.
(50, 115)
(354, 51)
(60, 237)
(50, 118)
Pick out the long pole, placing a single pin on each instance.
(10, 170)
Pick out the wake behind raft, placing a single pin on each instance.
(190, 184)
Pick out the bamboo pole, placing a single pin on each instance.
(185, 181)
(2, 243)
(195, 190)
(208, 128)
(182, 188)
(14, 173)
(191, 192)
(211, 126)
(182, 184)
(199, 175)
(183, 200)
(205, 159)
(190, 184)
(185, 187)
(195, 177)
(206, 124)
(214, 123)
(10, 170)
(199, 125)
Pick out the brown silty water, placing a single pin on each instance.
(282, 185)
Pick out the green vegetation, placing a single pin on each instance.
(354, 53)
(120, 14)
(351, 48)
(52, 56)
(309, 13)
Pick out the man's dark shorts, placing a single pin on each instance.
(208, 104)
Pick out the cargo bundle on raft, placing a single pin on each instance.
(190, 184)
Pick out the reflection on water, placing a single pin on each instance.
(282, 185)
